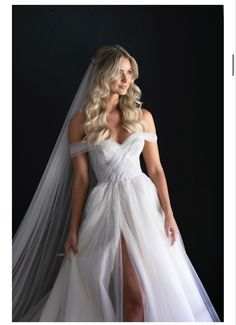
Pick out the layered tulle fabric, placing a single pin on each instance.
(89, 287)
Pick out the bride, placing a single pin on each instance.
(123, 259)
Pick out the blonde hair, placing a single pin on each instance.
(106, 68)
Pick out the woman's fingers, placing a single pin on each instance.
(171, 230)
(71, 243)
(174, 235)
(75, 249)
(66, 248)
(167, 230)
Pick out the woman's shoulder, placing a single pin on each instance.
(75, 130)
(148, 118)
(79, 117)
(146, 115)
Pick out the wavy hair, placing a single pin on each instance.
(105, 69)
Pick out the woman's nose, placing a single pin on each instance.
(124, 77)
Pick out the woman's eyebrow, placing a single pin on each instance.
(127, 69)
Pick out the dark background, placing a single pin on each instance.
(179, 50)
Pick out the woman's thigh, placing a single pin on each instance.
(131, 288)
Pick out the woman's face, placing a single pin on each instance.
(121, 84)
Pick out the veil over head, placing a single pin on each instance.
(39, 241)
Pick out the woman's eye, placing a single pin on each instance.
(130, 72)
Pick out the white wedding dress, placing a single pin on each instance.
(89, 287)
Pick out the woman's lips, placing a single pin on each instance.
(123, 87)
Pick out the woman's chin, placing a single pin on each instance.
(123, 91)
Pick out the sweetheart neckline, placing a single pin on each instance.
(118, 143)
(126, 139)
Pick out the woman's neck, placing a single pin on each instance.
(112, 103)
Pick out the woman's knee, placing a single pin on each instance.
(134, 305)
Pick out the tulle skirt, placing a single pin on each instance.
(89, 287)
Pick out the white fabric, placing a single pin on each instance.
(89, 287)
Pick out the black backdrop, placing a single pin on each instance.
(179, 50)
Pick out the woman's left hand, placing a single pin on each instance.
(171, 228)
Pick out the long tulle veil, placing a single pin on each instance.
(42, 233)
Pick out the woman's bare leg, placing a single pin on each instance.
(132, 297)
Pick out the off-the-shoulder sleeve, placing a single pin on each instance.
(152, 137)
(77, 148)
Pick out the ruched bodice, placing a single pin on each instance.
(113, 161)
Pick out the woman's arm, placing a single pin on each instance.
(80, 182)
(156, 173)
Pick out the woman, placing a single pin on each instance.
(125, 260)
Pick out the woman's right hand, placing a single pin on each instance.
(71, 242)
